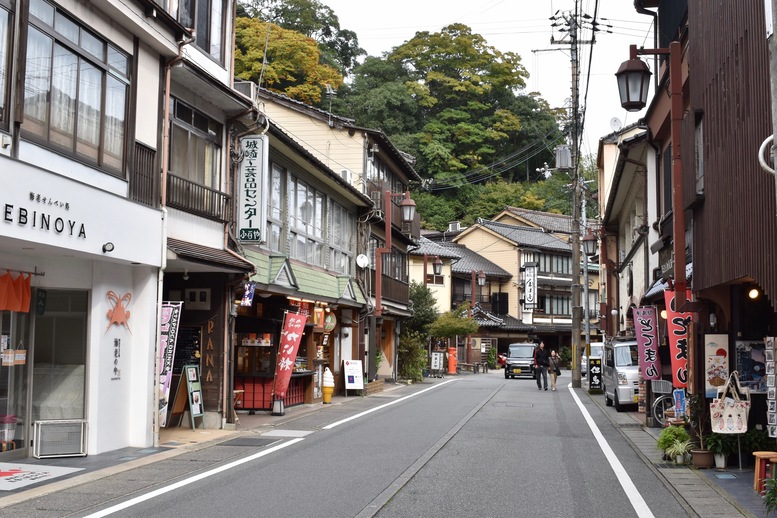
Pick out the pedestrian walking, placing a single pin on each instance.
(541, 366)
(554, 361)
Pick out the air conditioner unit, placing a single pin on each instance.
(345, 174)
(247, 88)
(454, 226)
(59, 438)
(376, 197)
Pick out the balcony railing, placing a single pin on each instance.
(143, 180)
(392, 289)
(196, 199)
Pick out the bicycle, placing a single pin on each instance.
(663, 402)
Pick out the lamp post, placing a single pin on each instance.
(633, 80)
(589, 249)
(480, 278)
(436, 266)
(407, 213)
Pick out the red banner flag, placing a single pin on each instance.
(293, 326)
(677, 329)
(647, 342)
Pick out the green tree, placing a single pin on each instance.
(494, 197)
(339, 48)
(424, 308)
(454, 323)
(459, 83)
(293, 66)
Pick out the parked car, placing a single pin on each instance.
(520, 360)
(596, 351)
(620, 372)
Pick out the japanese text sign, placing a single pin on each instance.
(251, 172)
(647, 342)
(293, 327)
(677, 328)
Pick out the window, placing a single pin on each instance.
(341, 238)
(555, 264)
(206, 17)
(555, 305)
(437, 280)
(275, 212)
(5, 41)
(75, 91)
(195, 151)
(698, 148)
(306, 218)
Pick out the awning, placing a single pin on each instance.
(660, 285)
(209, 256)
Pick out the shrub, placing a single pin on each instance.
(669, 435)
(411, 356)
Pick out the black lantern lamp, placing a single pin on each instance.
(633, 82)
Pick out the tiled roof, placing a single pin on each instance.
(431, 248)
(473, 261)
(560, 223)
(488, 320)
(208, 255)
(527, 236)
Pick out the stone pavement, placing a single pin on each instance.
(703, 493)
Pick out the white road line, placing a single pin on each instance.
(633, 494)
(190, 480)
(371, 410)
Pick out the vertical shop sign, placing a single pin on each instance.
(530, 286)
(254, 150)
(647, 342)
(716, 363)
(171, 315)
(677, 328)
(293, 326)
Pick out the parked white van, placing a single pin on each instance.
(620, 372)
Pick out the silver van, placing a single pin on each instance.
(620, 373)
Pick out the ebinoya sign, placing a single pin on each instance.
(252, 167)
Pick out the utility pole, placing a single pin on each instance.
(571, 21)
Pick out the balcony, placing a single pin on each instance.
(197, 199)
(392, 289)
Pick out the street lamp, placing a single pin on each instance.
(436, 266)
(633, 78)
(589, 249)
(480, 278)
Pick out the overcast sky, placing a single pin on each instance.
(524, 27)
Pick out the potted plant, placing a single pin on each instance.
(678, 449)
(669, 436)
(698, 415)
(721, 445)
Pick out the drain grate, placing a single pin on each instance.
(254, 442)
(727, 476)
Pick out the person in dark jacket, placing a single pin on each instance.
(541, 366)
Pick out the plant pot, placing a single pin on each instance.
(703, 459)
(679, 459)
(720, 461)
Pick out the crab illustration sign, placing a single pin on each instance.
(293, 326)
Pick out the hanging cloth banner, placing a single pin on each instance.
(293, 326)
(171, 316)
(677, 329)
(647, 342)
(15, 293)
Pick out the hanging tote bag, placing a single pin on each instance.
(729, 411)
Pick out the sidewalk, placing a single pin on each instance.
(706, 492)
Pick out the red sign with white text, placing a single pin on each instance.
(293, 326)
(677, 331)
(647, 342)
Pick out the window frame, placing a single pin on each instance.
(83, 58)
(193, 131)
(7, 80)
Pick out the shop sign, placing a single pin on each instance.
(291, 336)
(716, 363)
(530, 286)
(677, 328)
(354, 374)
(595, 373)
(645, 325)
(171, 313)
(250, 174)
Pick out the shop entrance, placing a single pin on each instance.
(14, 339)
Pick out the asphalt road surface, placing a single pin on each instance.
(474, 445)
